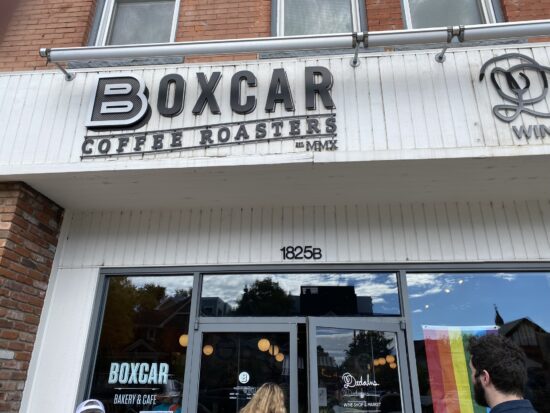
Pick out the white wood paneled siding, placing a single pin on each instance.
(422, 232)
(393, 106)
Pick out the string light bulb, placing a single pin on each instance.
(208, 350)
(263, 344)
(184, 340)
(274, 350)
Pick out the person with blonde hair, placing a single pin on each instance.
(269, 398)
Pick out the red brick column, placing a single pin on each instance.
(29, 227)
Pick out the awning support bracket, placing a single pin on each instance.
(358, 38)
(452, 32)
(68, 75)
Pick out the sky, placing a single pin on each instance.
(468, 299)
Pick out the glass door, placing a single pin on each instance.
(357, 366)
(232, 360)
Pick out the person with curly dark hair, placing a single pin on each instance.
(499, 374)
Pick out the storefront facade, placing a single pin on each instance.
(338, 230)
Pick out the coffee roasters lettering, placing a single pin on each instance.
(312, 133)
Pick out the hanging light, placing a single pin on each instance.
(274, 350)
(390, 358)
(280, 357)
(208, 350)
(184, 340)
(393, 365)
(263, 344)
(381, 361)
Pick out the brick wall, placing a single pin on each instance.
(518, 10)
(29, 227)
(384, 15)
(7, 7)
(43, 23)
(215, 20)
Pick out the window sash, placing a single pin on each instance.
(108, 15)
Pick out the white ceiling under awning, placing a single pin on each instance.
(505, 178)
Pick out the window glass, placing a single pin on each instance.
(442, 13)
(143, 342)
(317, 17)
(448, 308)
(357, 371)
(235, 365)
(138, 22)
(338, 294)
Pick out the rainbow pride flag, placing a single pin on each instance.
(448, 367)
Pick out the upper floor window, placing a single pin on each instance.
(443, 13)
(138, 22)
(300, 17)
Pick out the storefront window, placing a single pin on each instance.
(339, 294)
(143, 343)
(448, 308)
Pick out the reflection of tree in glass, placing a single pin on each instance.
(365, 347)
(264, 298)
(118, 327)
(149, 296)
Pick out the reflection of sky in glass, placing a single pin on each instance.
(335, 341)
(442, 13)
(382, 287)
(171, 283)
(469, 299)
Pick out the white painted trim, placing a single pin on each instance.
(406, 13)
(107, 17)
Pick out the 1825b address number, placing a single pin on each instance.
(299, 252)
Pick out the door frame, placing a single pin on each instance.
(244, 325)
(377, 324)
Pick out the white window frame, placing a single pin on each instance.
(107, 16)
(485, 7)
(355, 17)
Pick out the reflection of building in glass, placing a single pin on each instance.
(364, 305)
(214, 306)
(159, 328)
(333, 300)
(535, 341)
